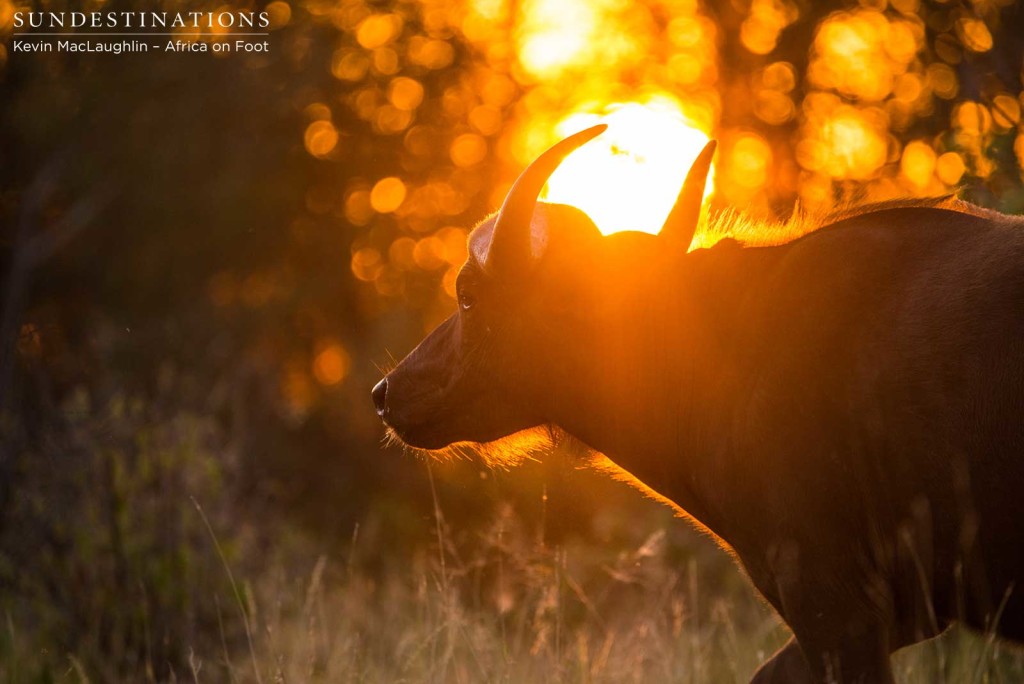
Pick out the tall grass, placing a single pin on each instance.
(110, 573)
(506, 607)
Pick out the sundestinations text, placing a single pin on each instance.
(141, 20)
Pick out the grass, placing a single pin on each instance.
(638, 596)
(510, 610)
(506, 607)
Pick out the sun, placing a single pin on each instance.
(628, 177)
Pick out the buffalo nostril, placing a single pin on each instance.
(380, 394)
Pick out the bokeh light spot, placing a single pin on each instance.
(405, 93)
(7, 11)
(749, 160)
(378, 30)
(279, 14)
(385, 61)
(387, 195)
(974, 34)
(455, 248)
(331, 364)
(317, 111)
(468, 149)
(943, 80)
(971, 120)
(400, 253)
(780, 76)
(430, 53)
(844, 142)
(1005, 111)
(429, 253)
(759, 32)
(950, 168)
(773, 107)
(349, 64)
(390, 119)
(918, 163)
(366, 263)
(486, 119)
(358, 210)
(321, 138)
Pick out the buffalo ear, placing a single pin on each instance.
(681, 223)
(509, 251)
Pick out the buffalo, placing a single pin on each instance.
(844, 411)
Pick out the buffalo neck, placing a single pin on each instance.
(656, 393)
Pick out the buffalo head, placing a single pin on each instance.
(540, 281)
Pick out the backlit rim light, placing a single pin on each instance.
(628, 177)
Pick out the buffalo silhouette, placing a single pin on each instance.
(844, 411)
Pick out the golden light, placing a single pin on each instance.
(1005, 111)
(554, 37)
(750, 158)
(841, 141)
(857, 149)
(861, 53)
(554, 34)
(628, 177)
(405, 93)
(279, 13)
(331, 363)
(918, 163)
(950, 167)
(760, 30)
(388, 194)
(974, 34)
(378, 30)
(321, 138)
(468, 149)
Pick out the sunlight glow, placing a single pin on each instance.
(862, 53)
(558, 37)
(628, 177)
(555, 34)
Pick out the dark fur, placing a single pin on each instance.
(843, 410)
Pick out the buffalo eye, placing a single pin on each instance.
(466, 301)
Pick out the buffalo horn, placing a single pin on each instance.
(510, 241)
(681, 223)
